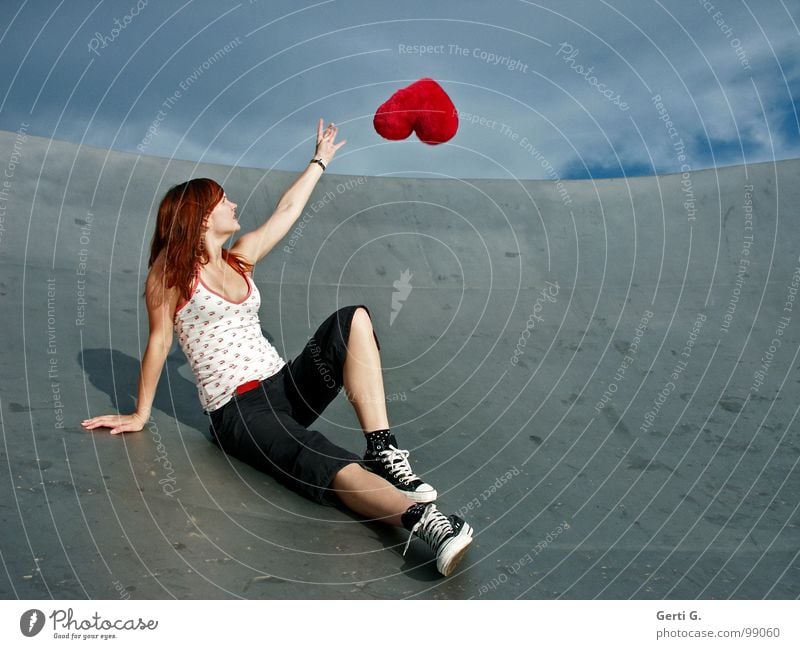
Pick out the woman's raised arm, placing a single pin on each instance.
(254, 245)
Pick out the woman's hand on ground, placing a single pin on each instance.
(326, 147)
(117, 423)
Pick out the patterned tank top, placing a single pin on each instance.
(223, 342)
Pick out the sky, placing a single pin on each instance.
(561, 89)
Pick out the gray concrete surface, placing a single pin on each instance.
(595, 457)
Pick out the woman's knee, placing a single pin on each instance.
(361, 323)
(361, 320)
(345, 476)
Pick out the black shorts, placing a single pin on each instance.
(267, 427)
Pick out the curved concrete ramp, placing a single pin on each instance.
(602, 377)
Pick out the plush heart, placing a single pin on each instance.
(424, 108)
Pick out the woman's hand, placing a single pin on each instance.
(326, 148)
(117, 423)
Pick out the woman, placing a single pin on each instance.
(260, 406)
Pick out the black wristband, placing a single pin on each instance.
(318, 161)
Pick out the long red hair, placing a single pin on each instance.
(180, 226)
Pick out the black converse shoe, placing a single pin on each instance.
(392, 465)
(448, 537)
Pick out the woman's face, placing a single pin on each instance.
(222, 219)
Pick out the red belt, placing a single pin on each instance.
(246, 387)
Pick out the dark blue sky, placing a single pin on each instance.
(561, 89)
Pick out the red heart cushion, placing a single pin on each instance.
(422, 107)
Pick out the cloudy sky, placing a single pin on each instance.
(567, 88)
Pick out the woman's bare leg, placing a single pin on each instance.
(363, 384)
(370, 495)
(363, 380)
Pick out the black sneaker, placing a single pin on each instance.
(448, 537)
(392, 465)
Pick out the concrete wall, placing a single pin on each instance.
(521, 342)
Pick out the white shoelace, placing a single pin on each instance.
(434, 534)
(396, 461)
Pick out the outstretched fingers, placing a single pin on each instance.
(117, 423)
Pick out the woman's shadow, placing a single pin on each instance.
(117, 374)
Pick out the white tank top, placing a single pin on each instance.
(223, 342)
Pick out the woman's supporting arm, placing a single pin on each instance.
(155, 356)
(161, 303)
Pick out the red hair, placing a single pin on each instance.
(180, 226)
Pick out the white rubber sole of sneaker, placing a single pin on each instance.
(453, 551)
(420, 496)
